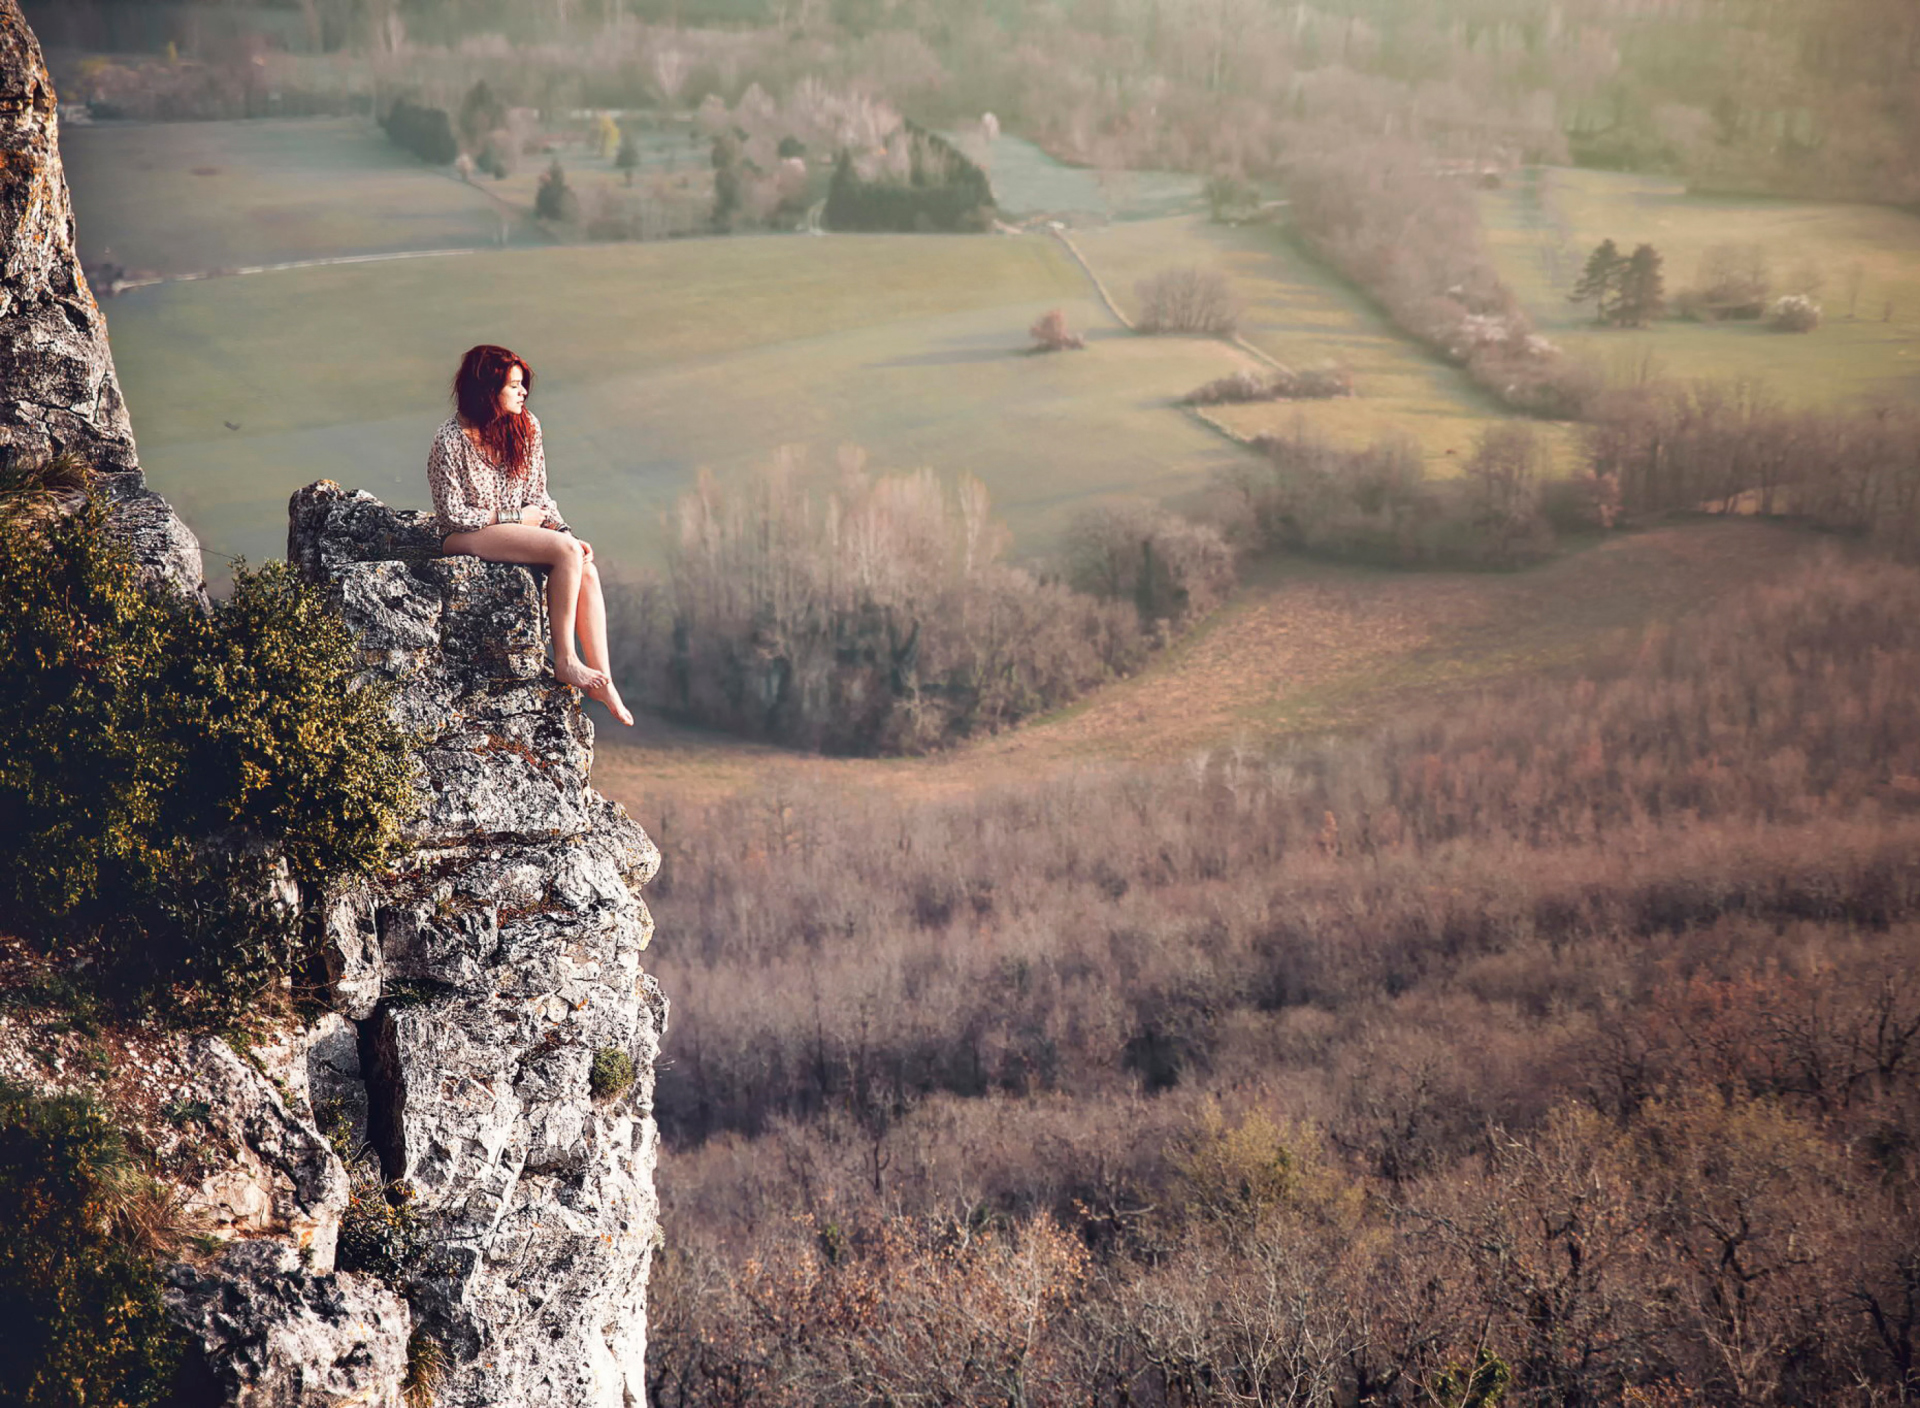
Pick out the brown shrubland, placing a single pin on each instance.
(1568, 1036)
(876, 615)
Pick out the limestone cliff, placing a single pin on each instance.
(492, 972)
(58, 392)
(491, 1035)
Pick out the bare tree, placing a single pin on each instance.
(1190, 300)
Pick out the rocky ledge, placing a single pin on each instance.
(505, 1032)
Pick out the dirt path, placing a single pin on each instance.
(1303, 648)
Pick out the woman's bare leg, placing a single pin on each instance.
(560, 554)
(592, 618)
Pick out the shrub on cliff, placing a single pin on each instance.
(79, 1300)
(161, 768)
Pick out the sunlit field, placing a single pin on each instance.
(1304, 316)
(1865, 260)
(654, 361)
(187, 197)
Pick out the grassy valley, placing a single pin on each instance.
(1432, 987)
(1861, 262)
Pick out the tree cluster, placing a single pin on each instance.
(919, 182)
(877, 616)
(424, 131)
(1411, 238)
(1626, 290)
(1378, 503)
(1730, 447)
(1188, 300)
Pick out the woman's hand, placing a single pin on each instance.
(533, 516)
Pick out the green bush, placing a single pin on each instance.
(612, 1073)
(79, 1300)
(161, 765)
(380, 1231)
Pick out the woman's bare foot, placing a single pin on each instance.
(579, 676)
(609, 695)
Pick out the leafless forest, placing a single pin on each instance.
(1562, 1044)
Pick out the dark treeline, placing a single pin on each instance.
(1563, 1042)
(940, 189)
(1680, 445)
(1789, 96)
(877, 615)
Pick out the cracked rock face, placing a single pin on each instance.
(58, 391)
(57, 387)
(490, 972)
(264, 1330)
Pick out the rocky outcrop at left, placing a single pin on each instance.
(58, 391)
(485, 1060)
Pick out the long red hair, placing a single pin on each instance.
(508, 439)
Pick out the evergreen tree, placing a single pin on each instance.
(1643, 290)
(1600, 281)
(555, 199)
(480, 113)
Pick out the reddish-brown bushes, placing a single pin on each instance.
(1313, 384)
(874, 617)
(1572, 1028)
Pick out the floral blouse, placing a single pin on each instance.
(469, 489)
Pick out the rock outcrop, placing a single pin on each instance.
(264, 1329)
(507, 1030)
(488, 1059)
(58, 391)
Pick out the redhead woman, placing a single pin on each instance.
(488, 472)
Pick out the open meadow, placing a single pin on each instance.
(162, 199)
(1303, 315)
(655, 361)
(1861, 261)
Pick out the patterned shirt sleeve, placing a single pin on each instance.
(537, 480)
(455, 500)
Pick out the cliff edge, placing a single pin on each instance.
(506, 1032)
(439, 1177)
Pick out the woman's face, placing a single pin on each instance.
(513, 396)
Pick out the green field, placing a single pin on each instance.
(1303, 316)
(187, 197)
(1544, 223)
(653, 361)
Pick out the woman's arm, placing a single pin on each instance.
(537, 495)
(460, 508)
